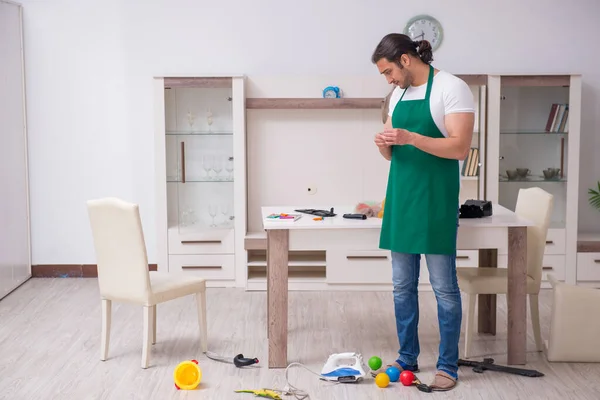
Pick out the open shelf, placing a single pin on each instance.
(532, 179)
(532, 133)
(198, 133)
(314, 103)
(302, 264)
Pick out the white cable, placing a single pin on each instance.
(291, 390)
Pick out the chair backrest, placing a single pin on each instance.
(536, 205)
(120, 250)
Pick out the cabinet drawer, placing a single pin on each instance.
(588, 266)
(551, 264)
(555, 241)
(359, 266)
(209, 266)
(218, 241)
(464, 258)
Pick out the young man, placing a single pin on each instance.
(429, 129)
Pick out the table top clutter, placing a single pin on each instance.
(501, 218)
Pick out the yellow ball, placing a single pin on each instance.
(382, 380)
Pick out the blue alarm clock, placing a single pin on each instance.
(331, 92)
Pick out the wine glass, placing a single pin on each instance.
(209, 119)
(191, 118)
(207, 162)
(225, 211)
(212, 211)
(229, 167)
(217, 167)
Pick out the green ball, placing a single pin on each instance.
(375, 363)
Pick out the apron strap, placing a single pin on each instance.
(429, 84)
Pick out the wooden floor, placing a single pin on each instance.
(50, 337)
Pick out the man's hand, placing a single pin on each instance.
(398, 136)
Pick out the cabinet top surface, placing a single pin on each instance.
(501, 218)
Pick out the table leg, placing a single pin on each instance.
(488, 258)
(517, 295)
(277, 296)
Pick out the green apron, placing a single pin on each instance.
(421, 203)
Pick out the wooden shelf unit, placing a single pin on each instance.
(314, 103)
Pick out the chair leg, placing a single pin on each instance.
(534, 307)
(201, 304)
(105, 340)
(154, 324)
(147, 336)
(470, 325)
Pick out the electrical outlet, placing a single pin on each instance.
(311, 190)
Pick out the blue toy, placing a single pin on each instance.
(393, 373)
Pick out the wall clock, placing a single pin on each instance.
(425, 27)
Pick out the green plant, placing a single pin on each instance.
(595, 197)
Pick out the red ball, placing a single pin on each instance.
(407, 377)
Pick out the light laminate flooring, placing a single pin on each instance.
(50, 338)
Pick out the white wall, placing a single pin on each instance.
(89, 69)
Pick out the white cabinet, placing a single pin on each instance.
(201, 173)
(15, 259)
(533, 140)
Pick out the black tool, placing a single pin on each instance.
(240, 361)
(355, 216)
(318, 213)
(488, 364)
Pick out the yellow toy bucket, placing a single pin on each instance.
(187, 375)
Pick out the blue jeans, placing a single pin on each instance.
(442, 275)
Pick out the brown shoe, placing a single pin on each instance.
(442, 382)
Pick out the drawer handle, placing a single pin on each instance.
(201, 267)
(366, 257)
(549, 242)
(547, 268)
(199, 241)
(462, 257)
(597, 261)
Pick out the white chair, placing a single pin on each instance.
(535, 205)
(123, 273)
(574, 325)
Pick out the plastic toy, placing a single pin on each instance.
(269, 394)
(187, 375)
(408, 379)
(375, 363)
(393, 373)
(382, 380)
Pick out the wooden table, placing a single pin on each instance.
(502, 230)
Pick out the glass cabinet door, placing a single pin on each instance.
(533, 143)
(471, 168)
(199, 145)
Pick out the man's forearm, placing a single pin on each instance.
(451, 147)
(386, 152)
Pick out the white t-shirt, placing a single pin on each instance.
(449, 94)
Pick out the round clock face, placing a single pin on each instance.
(424, 27)
(330, 94)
